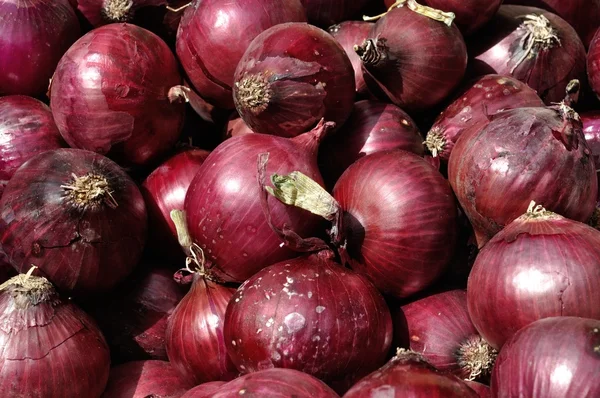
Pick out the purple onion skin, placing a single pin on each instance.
(497, 49)
(328, 12)
(26, 129)
(203, 390)
(236, 126)
(143, 379)
(303, 75)
(109, 95)
(470, 15)
(210, 27)
(593, 63)
(481, 389)
(553, 357)
(34, 34)
(591, 130)
(81, 250)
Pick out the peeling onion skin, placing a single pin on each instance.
(553, 357)
(593, 63)
(534, 268)
(309, 314)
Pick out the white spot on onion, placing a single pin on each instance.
(320, 309)
(294, 322)
(316, 337)
(289, 279)
(269, 322)
(309, 294)
(233, 343)
(276, 356)
(258, 331)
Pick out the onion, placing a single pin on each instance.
(329, 12)
(591, 131)
(203, 390)
(291, 76)
(540, 265)
(213, 36)
(223, 203)
(485, 96)
(593, 63)
(553, 357)
(308, 314)
(481, 389)
(77, 216)
(109, 94)
(408, 374)
(401, 59)
(523, 154)
(532, 45)
(143, 379)
(26, 129)
(101, 12)
(235, 126)
(35, 34)
(48, 346)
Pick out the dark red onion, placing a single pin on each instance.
(144, 379)
(553, 357)
(48, 346)
(309, 314)
(109, 94)
(532, 45)
(328, 12)
(471, 14)
(26, 129)
(291, 76)
(203, 390)
(401, 59)
(235, 126)
(213, 36)
(481, 389)
(593, 63)
(77, 216)
(591, 131)
(35, 34)
(102, 12)
(483, 97)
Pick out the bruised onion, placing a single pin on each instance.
(101, 12)
(593, 63)
(77, 216)
(291, 76)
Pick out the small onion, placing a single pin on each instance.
(101, 12)
(593, 64)
(329, 12)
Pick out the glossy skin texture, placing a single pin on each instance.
(554, 358)
(591, 130)
(34, 34)
(400, 221)
(26, 129)
(213, 36)
(532, 269)
(325, 13)
(109, 95)
(593, 64)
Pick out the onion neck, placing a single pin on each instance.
(476, 358)
(372, 52)
(89, 191)
(429, 12)
(117, 10)
(539, 35)
(312, 139)
(435, 141)
(254, 93)
(537, 212)
(28, 290)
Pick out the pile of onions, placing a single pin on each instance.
(109, 94)
(48, 346)
(593, 64)
(401, 60)
(77, 216)
(534, 46)
(309, 314)
(290, 77)
(35, 34)
(26, 129)
(101, 12)
(472, 109)
(552, 357)
(540, 265)
(523, 154)
(329, 12)
(213, 36)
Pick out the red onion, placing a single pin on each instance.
(591, 130)
(35, 34)
(532, 45)
(203, 390)
(101, 12)
(235, 126)
(553, 357)
(143, 379)
(401, 59)
(77, 216)
(308, 314)
(593, 63)
(291, 76)
(109, 94)
(213, 36)
(408, 374)
(224, 209)
(26, 129)
(481, 389)
(540, 265)
(329, 12)
(485, 96)
(48, 346)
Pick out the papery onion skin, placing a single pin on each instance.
(291, 76)
(203, 390)
(470, 15)
(34, 35)
(552, 357)
(236, 126)
(591, 130)
(328, 12)
(26, 129)
(538, 266)
(102, 12)
(109, 94)
(593, 63)
(211, 27)
(83, 247)
(49, 347)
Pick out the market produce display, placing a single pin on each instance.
(299, 198)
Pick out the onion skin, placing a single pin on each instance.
(26, 129)
(536, 267)
(35, 34)
(102, 12)
(210, 27)
(83, 249)
(553, 357)
(329, 12)
(291, 76)
(591, 130)
(481, 389)
(203, 390)
(109, 94)
(49, 347)
(235, 126)
(470, 15)
(593, 63)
